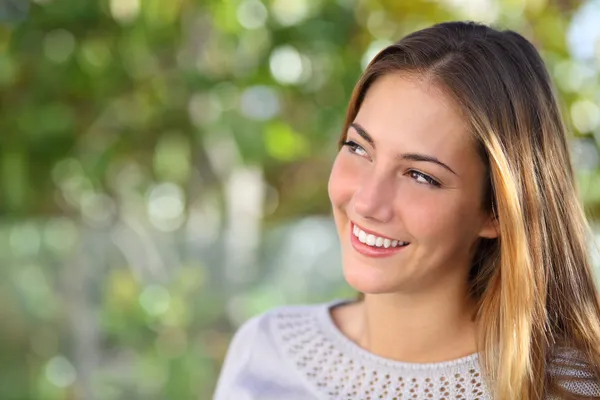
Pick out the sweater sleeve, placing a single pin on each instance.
(238, 356)
(574, 375)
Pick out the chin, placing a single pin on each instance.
(369, 279)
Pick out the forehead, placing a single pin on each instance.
(404, 113)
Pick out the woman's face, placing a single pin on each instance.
(407, 190)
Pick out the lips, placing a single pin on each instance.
(375, 240)
(377, 248)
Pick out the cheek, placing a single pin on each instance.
(441, 218)
(342, 182)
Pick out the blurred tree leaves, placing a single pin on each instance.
(13, 10)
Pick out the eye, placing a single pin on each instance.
(422, 178)
(355, 148)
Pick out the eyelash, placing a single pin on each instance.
(353, 146)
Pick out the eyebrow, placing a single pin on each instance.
(404, 156)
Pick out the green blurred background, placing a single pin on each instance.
(163, 171)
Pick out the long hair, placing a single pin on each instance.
(538, 312)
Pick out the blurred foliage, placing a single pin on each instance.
(159, 127)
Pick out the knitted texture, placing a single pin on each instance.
(340, 369)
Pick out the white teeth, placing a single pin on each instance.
(371, 240)
(376, 241)
(362, 236)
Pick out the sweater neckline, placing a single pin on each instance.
(333, 333)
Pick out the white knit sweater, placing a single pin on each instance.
(298, 353)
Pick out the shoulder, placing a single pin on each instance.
(273, 322)
(573, 373)
(256, 351)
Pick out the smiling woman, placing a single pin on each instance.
(459, 222)
(404, 175)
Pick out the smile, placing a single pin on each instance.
(373, 240)
(372, 245)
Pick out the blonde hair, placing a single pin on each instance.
(534, 284)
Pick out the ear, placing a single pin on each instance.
(490, 228)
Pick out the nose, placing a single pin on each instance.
(374, 199)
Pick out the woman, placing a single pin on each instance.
(459, 221)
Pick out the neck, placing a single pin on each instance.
(418, 328)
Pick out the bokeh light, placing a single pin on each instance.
(286, 65)
(59, 45)
(259, 103)
(252, 14)
(60, 372)
(124, 11)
